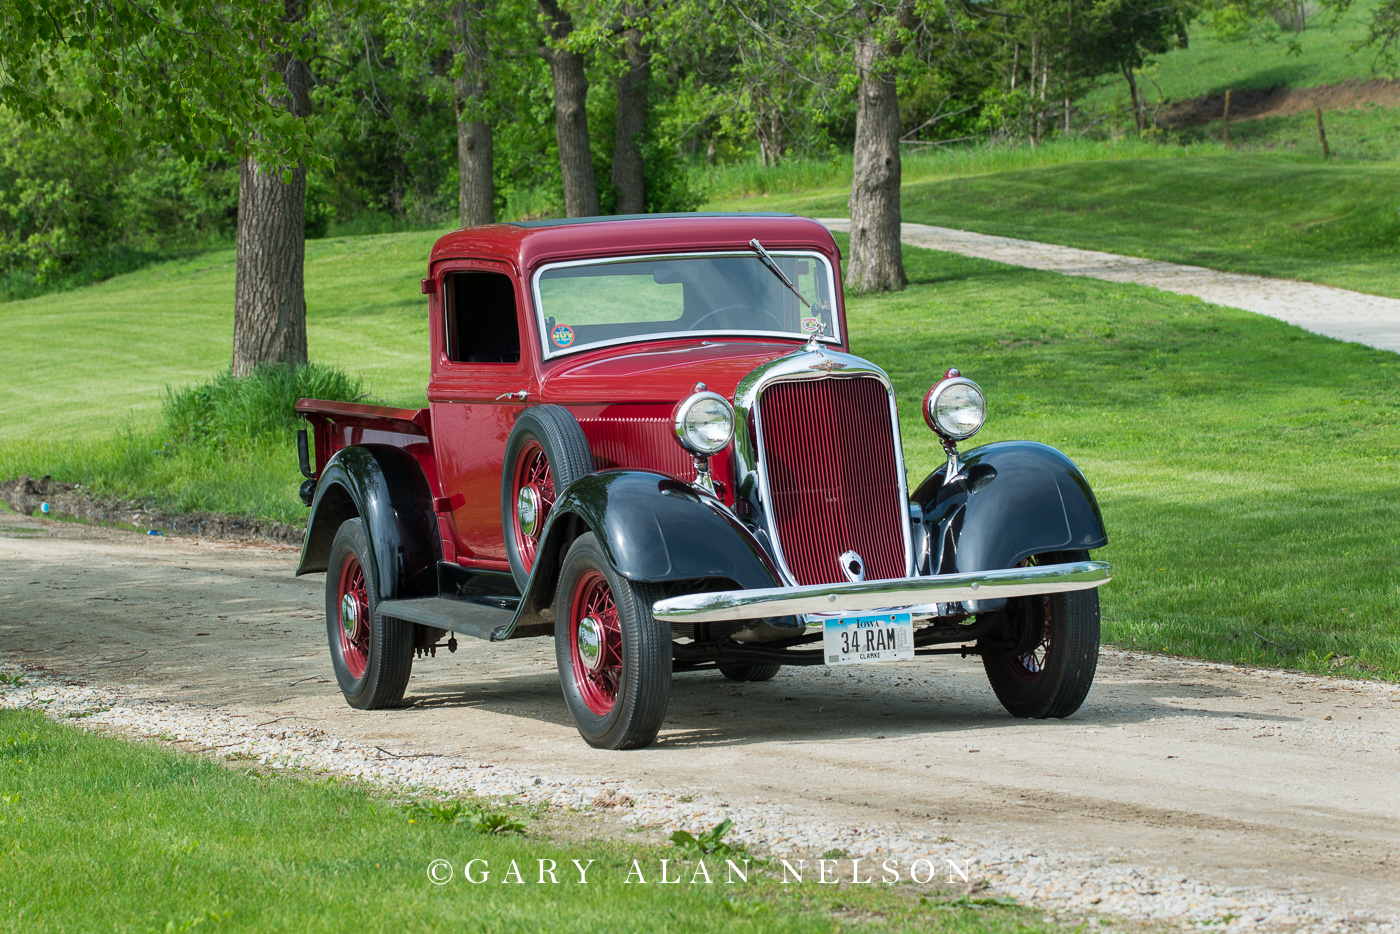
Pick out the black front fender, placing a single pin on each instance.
(1011, 500)
(653, 528)
(386, 488)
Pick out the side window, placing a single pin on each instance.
(482, 325)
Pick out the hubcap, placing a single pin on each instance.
(590, 643)
(595, 642)
(349, 614)
(354, 617)
(527, 507)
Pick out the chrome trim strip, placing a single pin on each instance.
(729, 605)
(551, 353)
(751, 479)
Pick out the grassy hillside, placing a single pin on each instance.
(1211, 65)
(1293, 216)
(1249, 471)
(89, 360)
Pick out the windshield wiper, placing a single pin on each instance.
(768, 261)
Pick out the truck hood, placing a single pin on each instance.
(658, 372)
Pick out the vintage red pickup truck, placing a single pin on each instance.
(646, 438)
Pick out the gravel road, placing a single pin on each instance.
(1182, 791)
(1372, 320)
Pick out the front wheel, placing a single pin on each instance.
(1049, 672)
(372, 656)
(614, 657)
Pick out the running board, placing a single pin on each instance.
(482, 617)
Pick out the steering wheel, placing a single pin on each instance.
(777, 322)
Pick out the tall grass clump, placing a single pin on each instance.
(230, 411)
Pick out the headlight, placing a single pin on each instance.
(704, 423)
(955, 407)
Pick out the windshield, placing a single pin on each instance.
(587, 304)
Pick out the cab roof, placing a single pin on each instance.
(528, 244)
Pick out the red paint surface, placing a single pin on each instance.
(829, 451)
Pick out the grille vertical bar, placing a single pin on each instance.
(832, 473)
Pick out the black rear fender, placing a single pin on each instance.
(386, 489)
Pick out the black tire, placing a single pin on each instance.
(372, 665)
(749, 672)
(641, 680)
(553, 431)
(1050, 678)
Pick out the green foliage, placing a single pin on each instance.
(241, 411)
(474, 816)
(709, 843)
(177, 74)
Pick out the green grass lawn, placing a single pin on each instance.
(1211, 66)
(1273, 214)
(100, 834)
(1249, 471)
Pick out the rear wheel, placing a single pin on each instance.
(750, 672)
(546, 452)
(614, 657)
(372, 656)
(1049, 670)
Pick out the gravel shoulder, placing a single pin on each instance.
(1372, 320)
(1182, 791)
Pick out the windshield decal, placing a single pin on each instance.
(562, 335)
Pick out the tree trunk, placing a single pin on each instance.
(269, 298)
(1133, 98)
(628, 168)
(570, 114)
(475, 156)
(876, 264)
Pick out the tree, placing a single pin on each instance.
(475, 144)
(876, 263)
(570, 112)
(196, 78)
(269, 296)
(628, 170)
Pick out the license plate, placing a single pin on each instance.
(884, 637)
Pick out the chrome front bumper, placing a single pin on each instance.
(727, 605)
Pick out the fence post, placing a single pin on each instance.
(1227, 121)
(1321, 132)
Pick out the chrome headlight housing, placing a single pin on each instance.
(955, 407)
(704, 423)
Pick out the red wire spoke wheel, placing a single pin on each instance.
(372, 654)
(534, 495)
(354, 617)
(1028, 666)
(614, 657)
(1051, 667)
(595, 642)
(545, 453)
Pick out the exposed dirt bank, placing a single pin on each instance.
(1279, 102)
(27, 496)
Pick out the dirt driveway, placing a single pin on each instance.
(1236, 777)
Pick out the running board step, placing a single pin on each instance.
(479, 616)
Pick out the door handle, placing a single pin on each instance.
(522, 395)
